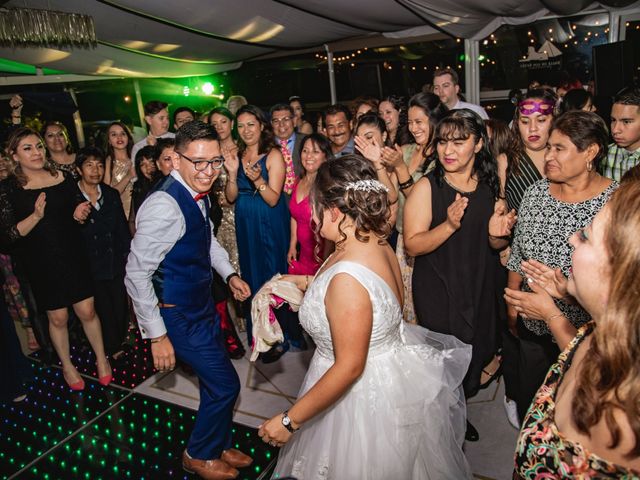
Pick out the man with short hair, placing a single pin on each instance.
(156, 115)
(183, 115)
(337, 123)
(169, 281)
(624, 153)
(445, 85)
(282, 121)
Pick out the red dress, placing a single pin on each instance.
(306, 263)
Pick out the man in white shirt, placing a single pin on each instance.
(169, 281)
(156, 115)
(445, 85)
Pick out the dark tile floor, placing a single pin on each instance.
(104, 433)
(138, 363)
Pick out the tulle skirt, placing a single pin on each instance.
(404, 418)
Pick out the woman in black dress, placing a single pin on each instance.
(446, 224)
(39, 216)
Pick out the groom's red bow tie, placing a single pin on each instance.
(200, 196)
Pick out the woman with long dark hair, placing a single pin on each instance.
(530, 127)
(408, 165)
(59, 149)
(120, 172)
(146, 178)
(446, 229)
(305, 252)
(256, 179)
(393, 110)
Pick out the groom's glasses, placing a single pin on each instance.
(201, 165)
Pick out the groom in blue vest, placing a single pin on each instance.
(169, 281)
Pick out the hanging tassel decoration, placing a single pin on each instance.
(27, 27)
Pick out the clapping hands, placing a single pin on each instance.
(39, 206)
(456, 210)
(370, 149)
(501, 222)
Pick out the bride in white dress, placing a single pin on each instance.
(382, 399)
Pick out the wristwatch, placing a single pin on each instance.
(286, 422)
(262, 187)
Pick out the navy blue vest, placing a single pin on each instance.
(184, 276)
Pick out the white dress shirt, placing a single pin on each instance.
(159, 225)
(472, 106)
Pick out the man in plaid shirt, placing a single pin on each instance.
(624, 154)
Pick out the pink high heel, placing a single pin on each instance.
(77, 386)
(106, 379)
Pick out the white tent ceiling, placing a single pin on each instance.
(160, 38)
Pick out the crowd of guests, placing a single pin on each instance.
(477, 206)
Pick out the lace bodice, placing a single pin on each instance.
(387, 328)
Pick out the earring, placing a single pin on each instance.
(589, 165)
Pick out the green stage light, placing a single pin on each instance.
(208, 88)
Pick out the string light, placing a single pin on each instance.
(340, 58)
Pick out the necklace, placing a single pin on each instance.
(461, 192)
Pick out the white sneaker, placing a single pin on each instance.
(511, 409)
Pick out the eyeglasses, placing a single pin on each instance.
(278, 121)
(201, 165)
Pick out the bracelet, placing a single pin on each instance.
(407, 184)
(381, 168)
(159, 339)
(554, 316)
(306, 282)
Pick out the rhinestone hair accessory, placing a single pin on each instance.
(367, 186)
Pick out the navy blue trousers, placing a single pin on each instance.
(197, 340)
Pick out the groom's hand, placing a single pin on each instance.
(164, 358)
(240, 289)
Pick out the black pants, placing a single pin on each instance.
(510, 359)
(113, 309)
(536, 353)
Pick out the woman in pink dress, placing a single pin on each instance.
(304, 256)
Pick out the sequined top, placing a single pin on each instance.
(119, 170)
(226, 234)
(543, 451)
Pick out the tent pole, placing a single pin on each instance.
(614, 26)
(472, 71)
(136, 87)
(379, 75)
(332, 75)
(77, 121)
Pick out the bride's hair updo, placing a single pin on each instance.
(350, 184)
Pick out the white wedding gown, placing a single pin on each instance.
(403, 419)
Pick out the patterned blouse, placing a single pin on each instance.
(542, 451)
(542, 233)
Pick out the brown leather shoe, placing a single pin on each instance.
(209, 469)
(236, 458)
